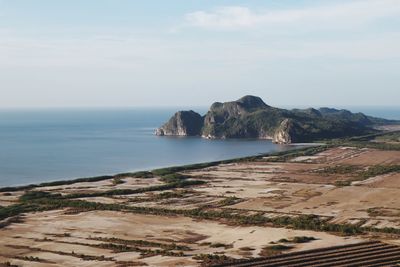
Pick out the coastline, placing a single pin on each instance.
(71, 144)
(296, 147)
(188, 214)
(62, 152)
(99, 177)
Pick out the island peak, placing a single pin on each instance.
(250, 101)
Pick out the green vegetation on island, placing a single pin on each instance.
(250, 117)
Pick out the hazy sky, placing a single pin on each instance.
(186, 52)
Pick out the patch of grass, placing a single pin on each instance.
(228, 201)
(213, 259)
(175, 169)
(374, 145)
(339, 169)
(247, 249)
(17, 209)
(173, 178)
(172, 194)
(7, 264)
(308, 151)
(32, 195)
(168, 186)
(343, 183)
(279, 247)
(117, 181)
(117, 248)
(374, 212)
(364, 141)
(140, 174)
(303, 239)
(220, 245)
(273, 250)
(371, 171)
(313, 222)
(142, 243)
(29, 258)
(376, 170)
(73, 254)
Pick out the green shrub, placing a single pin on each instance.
(279, 247)
(343, 183)
(31, 195)
(117, 181)
(339, 169)
(173, 178)
(228, 201)
(303, 239)
(376, 170)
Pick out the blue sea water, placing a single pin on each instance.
(48, 145)
(52, 144)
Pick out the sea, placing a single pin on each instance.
(39, 145)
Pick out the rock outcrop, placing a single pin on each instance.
(283, 134)
(183, 123)
(250, 117)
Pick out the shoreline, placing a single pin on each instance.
(295, 147)
(297, 197)
(44, 164)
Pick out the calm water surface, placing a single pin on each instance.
(47, 145)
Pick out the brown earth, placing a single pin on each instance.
(68, 237)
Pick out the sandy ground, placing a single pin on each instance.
(391, 180)
(330, 156)
(9, 198)
(272, 188)
(374, 157)
(269, 171)
(104, 185)
(184, 231)
(296, 187)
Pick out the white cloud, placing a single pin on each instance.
(120, 65)
(344, 14)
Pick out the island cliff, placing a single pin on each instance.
(250, 117)
(183, 123)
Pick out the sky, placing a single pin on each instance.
(122, 53)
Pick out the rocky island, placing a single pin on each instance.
(250, 117)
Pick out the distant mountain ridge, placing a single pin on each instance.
(251, 117)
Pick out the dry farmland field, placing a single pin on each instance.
(370, 253)
(268, 210)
